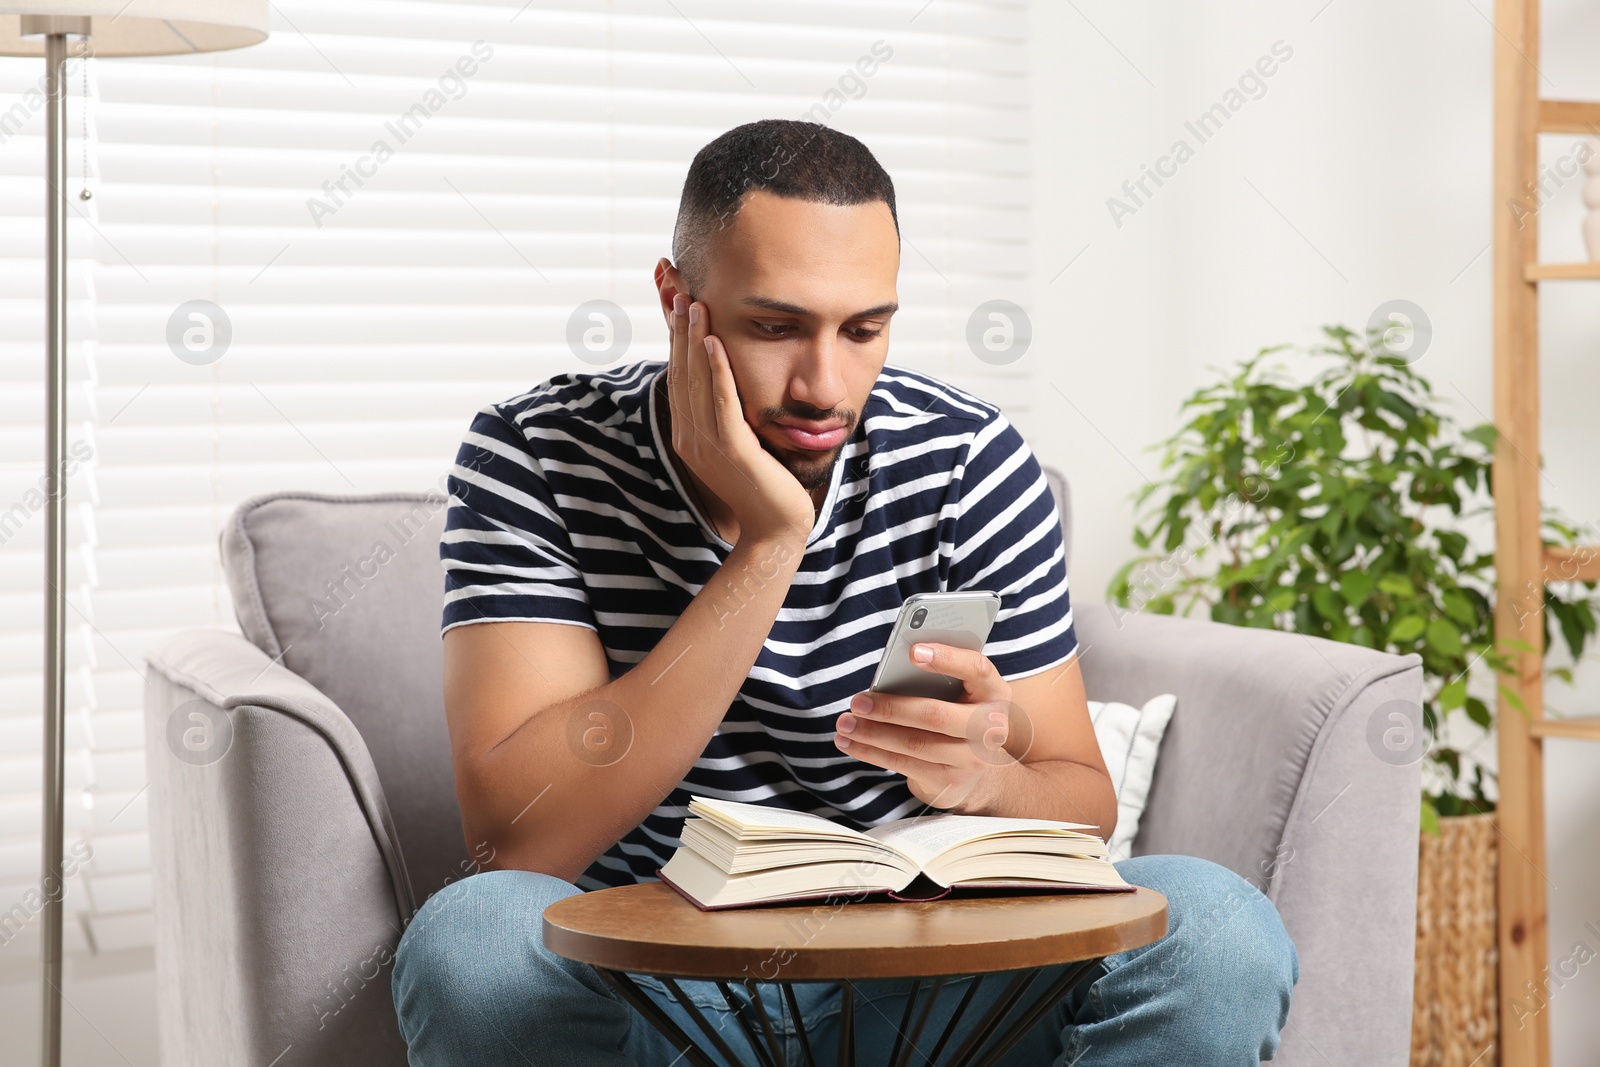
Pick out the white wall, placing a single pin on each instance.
(1361, 175)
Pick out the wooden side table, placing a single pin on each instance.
(649, 929)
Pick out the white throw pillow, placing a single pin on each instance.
(1130, 740)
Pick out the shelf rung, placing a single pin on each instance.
(1569, 116)
(1560, 272)
(1584, 729)
(1574, 563)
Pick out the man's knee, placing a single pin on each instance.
(1224, 937)
(477, 942)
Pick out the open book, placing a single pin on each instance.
(734, 854)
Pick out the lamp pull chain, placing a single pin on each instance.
(85, 194)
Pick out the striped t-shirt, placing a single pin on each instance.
(564, 508)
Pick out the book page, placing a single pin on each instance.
(744, 819)
(701, 881)
(924, 837)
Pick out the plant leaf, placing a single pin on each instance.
(1459, 607)
(1326, 603)
(1356, 586)
(1407, 629)
(1396, 585)
(1443, 637)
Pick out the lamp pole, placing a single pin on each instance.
(55, 554)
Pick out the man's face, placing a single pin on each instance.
(801, 293)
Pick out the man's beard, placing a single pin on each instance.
(811, 472)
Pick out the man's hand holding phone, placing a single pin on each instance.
(946, 749)
(711, 437)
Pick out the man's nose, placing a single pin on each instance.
(819, 379)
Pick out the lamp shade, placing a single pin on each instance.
(139, 27)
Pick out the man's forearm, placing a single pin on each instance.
(1047, 789)
(654, 722)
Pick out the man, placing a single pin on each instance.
(673, 580)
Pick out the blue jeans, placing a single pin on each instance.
(474, 984)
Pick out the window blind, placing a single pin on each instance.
(392, 211)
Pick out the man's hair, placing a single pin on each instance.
(786, 157)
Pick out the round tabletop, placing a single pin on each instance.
(650, 929)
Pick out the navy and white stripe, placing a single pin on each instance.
(563, 509)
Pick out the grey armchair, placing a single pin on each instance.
(290, 855)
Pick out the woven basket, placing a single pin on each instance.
(1455, 1016)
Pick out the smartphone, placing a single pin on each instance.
(960, 619)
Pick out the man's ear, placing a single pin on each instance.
(669, 283)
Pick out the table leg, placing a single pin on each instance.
(898, 1058)
(629, 991)
(750, 1034)
(799, 1024)
(1037, 1011)
(989, 1040)
(950, 1027)
(779, 1056)
(847, 1024)
(905, 1020)
(991, 1018)
(700, 1020)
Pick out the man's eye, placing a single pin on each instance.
(862, 333)
(774, 329)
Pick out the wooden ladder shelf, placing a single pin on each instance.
(1522, 562)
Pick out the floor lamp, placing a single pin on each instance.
(101, 28)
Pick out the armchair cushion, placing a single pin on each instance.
(1130, 741)
(347, 593)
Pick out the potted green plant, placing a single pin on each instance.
(1345, 502)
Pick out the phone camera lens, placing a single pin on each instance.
(917, 617)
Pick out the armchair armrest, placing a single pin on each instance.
(280, 890)
(1267, 769)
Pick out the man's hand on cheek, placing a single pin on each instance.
(711, 437)
(951, 752)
